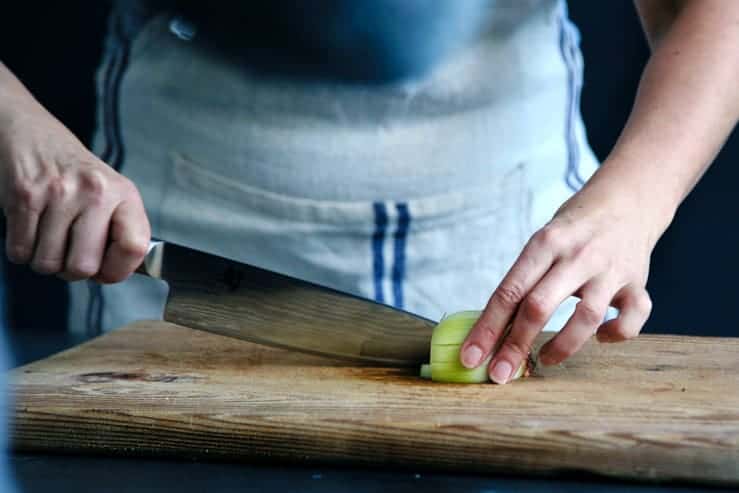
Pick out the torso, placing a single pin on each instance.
(417, 192)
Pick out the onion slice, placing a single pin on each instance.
(446, 341)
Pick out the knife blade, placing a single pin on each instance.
(218, 295)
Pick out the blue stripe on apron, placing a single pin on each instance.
(568, 48)
(400, 235)
(378, 240)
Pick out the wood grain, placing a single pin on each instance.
(657, 408)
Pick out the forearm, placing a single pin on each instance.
(657, 17)
(15, 100)
(685, 108)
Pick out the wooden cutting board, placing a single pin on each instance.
(658, 407)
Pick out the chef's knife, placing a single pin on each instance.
(218, 295)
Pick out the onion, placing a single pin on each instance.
(446, 341)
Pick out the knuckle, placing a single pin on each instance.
(560, 349)
(589, 314)
(134, 248)
(93, 184)
(22, 195)
(509, 295)
(46, 265)
(620, 333)
(643, 304)
(128, 187)
(528, 258)
(630, 334)
(59, 188)
(81, 270)
(535, 308)
(594, 257)
(518, 347)
(550, 237)
(19, 254)
(623, 332)
(488, 332)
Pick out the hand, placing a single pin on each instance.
(67, 212)
(597, 247)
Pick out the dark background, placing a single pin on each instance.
(54, 47)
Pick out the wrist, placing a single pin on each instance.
(654, 199)
(17, 104)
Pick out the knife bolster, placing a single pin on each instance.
(152, 264)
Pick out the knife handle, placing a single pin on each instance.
(152, 263)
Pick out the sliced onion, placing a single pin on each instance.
(444, 353)
(454, 328)
(446, 341)
(454, 372)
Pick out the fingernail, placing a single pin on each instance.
(501, 372)
(471, 356)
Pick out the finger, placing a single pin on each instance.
(634, 307)
(88, 238)
(21, 229)
(53, 229)
(129, 242)
(536, 309)
(535, 260)
(22, 216)
(588, 316)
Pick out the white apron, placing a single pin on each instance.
(418, 194)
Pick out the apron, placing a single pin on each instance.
(419, 194)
